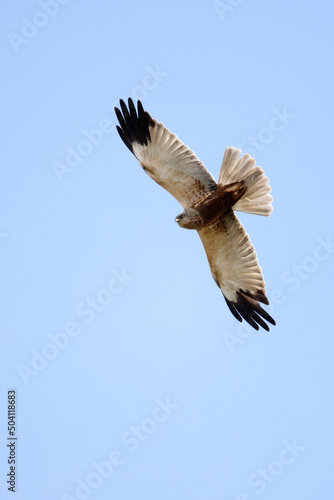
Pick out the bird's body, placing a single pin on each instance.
(212, 207)
(208, 206)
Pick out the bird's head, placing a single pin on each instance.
(190, 219)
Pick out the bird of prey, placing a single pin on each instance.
(208, 206)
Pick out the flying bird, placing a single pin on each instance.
(209, 207)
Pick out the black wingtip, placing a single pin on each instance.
(134, 125)
(233, 310)
(249, 309)
(132, 109)
(140, 108)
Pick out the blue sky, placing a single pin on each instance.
(132, 378)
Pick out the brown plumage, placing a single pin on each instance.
(218, 202)
(208, 207)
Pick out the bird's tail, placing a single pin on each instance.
(235, 168)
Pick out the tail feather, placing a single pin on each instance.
(256, 199)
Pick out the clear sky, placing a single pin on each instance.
(132, 378)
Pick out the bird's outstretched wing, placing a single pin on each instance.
(163, 156)
(235, 269)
